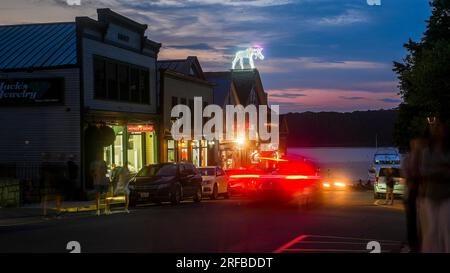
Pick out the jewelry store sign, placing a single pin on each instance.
(31, 91)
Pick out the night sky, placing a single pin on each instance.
(321, 55)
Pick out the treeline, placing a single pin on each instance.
(333, 129)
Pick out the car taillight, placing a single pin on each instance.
(244, 176)
(291, 177)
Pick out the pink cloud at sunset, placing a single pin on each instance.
(331, 100)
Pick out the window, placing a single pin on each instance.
(170, 150)
(120, 81)
(99, 78)
(174, 101)
(111, 76)
(124, 85)
(144, 87)
(134, 85)
(158, 170)
(220, 172)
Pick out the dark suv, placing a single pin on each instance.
(171, 182)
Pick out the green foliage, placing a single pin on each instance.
(425, 77)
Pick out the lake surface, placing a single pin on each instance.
(348, 163)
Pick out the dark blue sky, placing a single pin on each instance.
(320, 54)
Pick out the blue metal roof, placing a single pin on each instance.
(37, 45)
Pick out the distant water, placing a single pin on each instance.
(350, 163)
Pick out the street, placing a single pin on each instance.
(346, 222)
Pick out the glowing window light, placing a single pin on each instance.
(240, 140)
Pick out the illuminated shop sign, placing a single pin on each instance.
(141, 128)
(31, 91)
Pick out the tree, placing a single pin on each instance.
(425, 77)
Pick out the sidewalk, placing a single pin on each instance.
(36, 210)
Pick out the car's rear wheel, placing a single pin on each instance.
(227, 194)
(175, 195)
(215, 193)
(198, 195)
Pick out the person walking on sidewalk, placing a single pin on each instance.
(101, 182)
(122, 184)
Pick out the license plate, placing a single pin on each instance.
(144, 194)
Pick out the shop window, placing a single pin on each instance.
(196, 153)
(135, 152)
(204, 150)
(184, 151)
(99, 78)
(124, 85)
(171, 150)
(118, 149)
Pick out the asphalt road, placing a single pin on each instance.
(345, 222)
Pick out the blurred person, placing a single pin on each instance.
(389, 186)
(101, 182)
(411, 166)
(434, 192)
(122, 184)
(72, 176)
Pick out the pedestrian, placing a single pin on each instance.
(122, 184)
(411, 167)
(389, 186)
(101, 182)
(434, 191)
(72, 176)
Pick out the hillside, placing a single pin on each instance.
(333, 129)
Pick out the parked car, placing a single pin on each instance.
(380, 182)
(215, 182)
(243, 181)
(163, 182)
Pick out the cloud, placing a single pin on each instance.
(391, 100)
(287, 95)
(329, 99)
(236, 3)
(351, 98)
(283, 65)
(349, 17)
(201, 46)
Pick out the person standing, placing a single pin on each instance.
(122, 184)
(389, 186)
(411, 167)
(101, 182)
(434, 192)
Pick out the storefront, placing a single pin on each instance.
(194, 151)
(135, 144)
(90, 90)
(180, 82)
